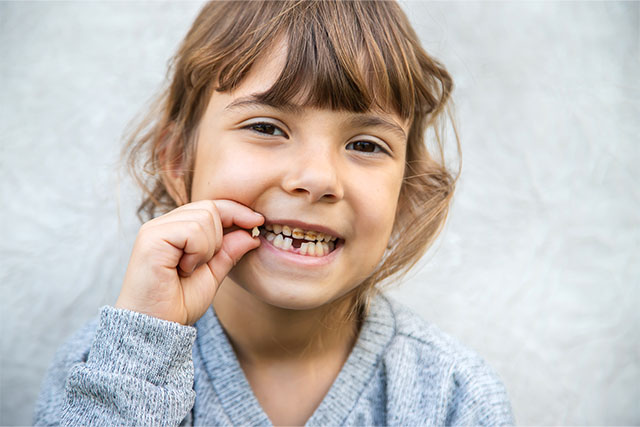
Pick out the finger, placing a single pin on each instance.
(234, 213)
(234, 246)
(187, 241)
(208, 218)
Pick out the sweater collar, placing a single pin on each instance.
(237, 398)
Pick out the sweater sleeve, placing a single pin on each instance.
(138, 370)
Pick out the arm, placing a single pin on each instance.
(139, 368)
(138, 371)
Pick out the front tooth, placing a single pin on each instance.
(277, 228)
(278, 242)
(297, 233)
(311, 248)
(286, 230)
(287, 243)
(270, 236)
(327, 237)
(319, 236)
(269, 227)
(303, 248)
(310, 235)
(325, 247)
(319, 249)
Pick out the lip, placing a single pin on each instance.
(293, 258)
(303, 225)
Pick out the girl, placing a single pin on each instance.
(289, 154)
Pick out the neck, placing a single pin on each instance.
(260, 332)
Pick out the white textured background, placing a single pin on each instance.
(538, 268)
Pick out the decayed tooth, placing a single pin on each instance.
(255, 232)
(287, 243)
(303, 248)
(286, 230)
(277, 228)
(269, 227)
(297, 233)
(278, 242)
(319, 236)
(311, 249)
(331, 245)
(319, 249)
(333, 238)
(327, 237)
(310, 235)
(325, 247)
(270, 236)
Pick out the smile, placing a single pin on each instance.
(298, 241)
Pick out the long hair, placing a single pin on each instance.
(353, 56)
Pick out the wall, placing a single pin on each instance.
(538, 268)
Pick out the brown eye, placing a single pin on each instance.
(266, 129)
(364, 146)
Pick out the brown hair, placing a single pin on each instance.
(353, 56)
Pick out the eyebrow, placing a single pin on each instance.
(252, 102)
(357, 120)
(369, 120)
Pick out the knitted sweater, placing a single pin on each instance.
(128, 368)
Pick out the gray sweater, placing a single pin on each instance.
(128, 368)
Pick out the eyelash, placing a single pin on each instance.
(253, 127)
(377, 148)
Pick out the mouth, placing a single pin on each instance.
(296, 240)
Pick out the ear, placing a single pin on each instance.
(171, 159)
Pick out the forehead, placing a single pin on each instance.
(257, 88)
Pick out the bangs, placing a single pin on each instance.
(338, 57)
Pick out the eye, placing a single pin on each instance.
(366, 147)
(266, 129)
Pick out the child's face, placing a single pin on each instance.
(318, 170)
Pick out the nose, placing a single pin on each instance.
(314, 174)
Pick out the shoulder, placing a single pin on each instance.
(451, 383)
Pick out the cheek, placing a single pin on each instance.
(377, 203)
(229, 174)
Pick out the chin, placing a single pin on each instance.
(289, 294)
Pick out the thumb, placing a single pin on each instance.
(234, 246)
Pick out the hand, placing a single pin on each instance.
(180, 259)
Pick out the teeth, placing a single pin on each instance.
(311, 248)
(317, 243)
(287, 243)
(255, 232)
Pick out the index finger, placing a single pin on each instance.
(234, 213)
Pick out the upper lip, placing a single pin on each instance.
(304, 225)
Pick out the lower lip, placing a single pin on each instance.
(304, 260)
